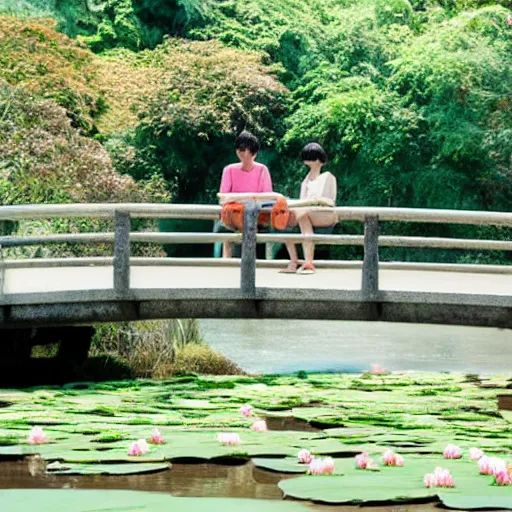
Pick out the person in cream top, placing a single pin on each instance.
(318, 189)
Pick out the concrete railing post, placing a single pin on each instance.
(122, 252)
(2, 270)
(370, 278)
(248, 263)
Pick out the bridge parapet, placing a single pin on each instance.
(125, 299)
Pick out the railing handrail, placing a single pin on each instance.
(371, 240)
(203, 211)
(206, 238)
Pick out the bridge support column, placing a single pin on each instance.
(122, 253)
(248, 263)
(370, 278)
(2, 271)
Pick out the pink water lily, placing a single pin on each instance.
(321, 466)
(328, 466)
(157, 437)
(391, 458)
(37, 436)
(503, 478)
(377, 369)
(246, 410)
(439, 478)
(475, 453)
(259, 426)
(137, 448)
(430, 480)
(491, 465)
(363, 461)
(229, 438)
(305, 456)
(509, 20)
(452, 451)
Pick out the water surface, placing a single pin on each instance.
(282, 346)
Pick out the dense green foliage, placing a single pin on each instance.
(194, 97)
(411, 98)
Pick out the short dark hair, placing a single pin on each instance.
(246, 140)
(312, 152)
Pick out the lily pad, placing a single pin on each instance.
(369, 487)
(477, 502)
(286, 465)
(106, 469)
(61, 500)
(392, 484)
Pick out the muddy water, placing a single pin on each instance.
(193, 480)
(199, 480)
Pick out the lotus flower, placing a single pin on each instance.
(156, 438)
(229, 439)
(321, 466)
(37, 436)
(328, 466)
(491, 465)
(430, 480)
(443, 478)
(305, 456)
(391, 458)
(509, 20)
(452, 452)
(503, 478)
(137, 448)
(246, 410)
(475, 453)
(485, 465)
(259, 426)
(377, 369)
(363, 461)
(439, 478)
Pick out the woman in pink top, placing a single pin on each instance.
(246, 176)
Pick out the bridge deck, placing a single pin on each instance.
(45, 280)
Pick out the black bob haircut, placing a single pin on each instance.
(246, 140)
(312, 152)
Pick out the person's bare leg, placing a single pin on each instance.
(294, 259)
(306, 228)
(227, 250)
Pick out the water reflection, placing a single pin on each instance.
(193, 480)
(197, 480)
(285, 346)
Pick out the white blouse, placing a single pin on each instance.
(324, 185)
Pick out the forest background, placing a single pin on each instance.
(140, 100)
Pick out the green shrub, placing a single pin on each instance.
(389, 12)
(203, 95)
(148, 348)
(200, 359)
(35, 56)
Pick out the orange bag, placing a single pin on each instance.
(282, 217)
(232, 216)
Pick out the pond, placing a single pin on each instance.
(285, 346)
(89, 428)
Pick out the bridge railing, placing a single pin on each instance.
(122, 236)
